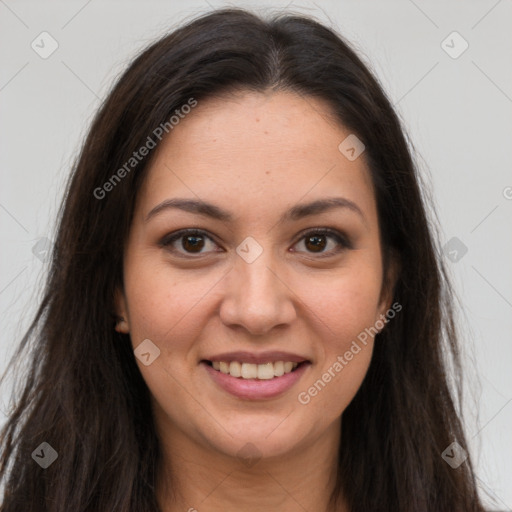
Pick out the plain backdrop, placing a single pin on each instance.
(452, 91)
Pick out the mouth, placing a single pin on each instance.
(255, 381)
(248, 371)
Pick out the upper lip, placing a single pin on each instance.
(260, 358)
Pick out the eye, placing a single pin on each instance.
(192, 241)
(317, 240)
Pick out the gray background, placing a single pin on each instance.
(457, 112)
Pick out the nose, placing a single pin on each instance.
(257, 297)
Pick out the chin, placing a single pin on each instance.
(259, 438)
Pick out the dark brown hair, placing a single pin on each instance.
(83, 392)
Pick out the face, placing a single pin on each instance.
(262, 284)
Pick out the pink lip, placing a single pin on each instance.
(255, 389)
(261, 358)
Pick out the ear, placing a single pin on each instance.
(390, 278)
(121, 313)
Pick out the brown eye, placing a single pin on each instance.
(322, 241)
(325, 242)
(192, 242)
(316, 243)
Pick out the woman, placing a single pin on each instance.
(245, 307)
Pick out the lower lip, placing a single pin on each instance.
(256, 389)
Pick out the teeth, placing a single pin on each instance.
(249, 371)
(235, 369)
(264, 371)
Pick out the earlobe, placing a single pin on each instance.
(121, 315)
(122, 326)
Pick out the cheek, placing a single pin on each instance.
(167, 306)
(346, 309)
(346, 306)
(161, 302)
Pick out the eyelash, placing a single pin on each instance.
(342, 241)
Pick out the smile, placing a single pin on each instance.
(251, 381)
(265, 371)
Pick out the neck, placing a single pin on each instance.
(197, 478)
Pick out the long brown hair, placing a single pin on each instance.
(83, 393)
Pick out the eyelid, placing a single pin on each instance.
(168, 239)
(344, 242)
(338, 235)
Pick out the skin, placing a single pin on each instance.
(255, 155)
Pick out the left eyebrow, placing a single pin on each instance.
(293, 214)
(320, 206)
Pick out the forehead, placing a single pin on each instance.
(251, 149)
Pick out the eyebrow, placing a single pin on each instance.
(295, 213)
